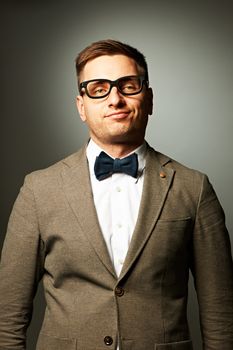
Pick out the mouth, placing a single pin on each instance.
(118, 115)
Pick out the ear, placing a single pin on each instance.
(150, 101)
(80, 107)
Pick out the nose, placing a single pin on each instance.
(115, 98)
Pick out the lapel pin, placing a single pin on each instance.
(162, 175)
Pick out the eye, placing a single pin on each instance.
(98, 91)
(97, 88)
(130, 85)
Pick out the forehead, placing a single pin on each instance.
(110, 67)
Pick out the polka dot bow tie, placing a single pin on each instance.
(105, 166)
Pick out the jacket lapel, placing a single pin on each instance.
(77, 187)
(157, 182)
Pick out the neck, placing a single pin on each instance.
(118, 150)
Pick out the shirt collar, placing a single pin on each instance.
(93, 151)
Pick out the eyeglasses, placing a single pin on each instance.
(99, 88)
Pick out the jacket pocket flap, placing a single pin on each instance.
(47, 342)
(181, 345)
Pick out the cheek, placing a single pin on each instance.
(93, 114)
(90, 111)
(141, 109)
(145, 108)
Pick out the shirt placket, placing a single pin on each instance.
(120, 234)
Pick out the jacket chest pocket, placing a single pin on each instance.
(174, 235)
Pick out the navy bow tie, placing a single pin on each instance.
(105, 166)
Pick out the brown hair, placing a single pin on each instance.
(109, 47)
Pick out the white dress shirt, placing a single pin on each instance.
(117, 199)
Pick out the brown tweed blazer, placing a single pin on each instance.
(53, 234)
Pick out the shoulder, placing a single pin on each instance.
(187, 184)
(167, 161)
(53, 173)
(183, 175)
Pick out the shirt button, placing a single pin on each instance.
(108, 340)
(119, 291)
(118, 189)
(119, 225)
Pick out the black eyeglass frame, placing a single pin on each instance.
(112, 84)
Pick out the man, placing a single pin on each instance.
(113, 231)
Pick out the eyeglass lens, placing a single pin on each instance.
(126, 85)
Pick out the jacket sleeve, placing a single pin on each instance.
(21, 268)
(213, 271)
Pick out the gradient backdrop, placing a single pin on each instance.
(189, 49)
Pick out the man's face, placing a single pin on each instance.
(115, 119)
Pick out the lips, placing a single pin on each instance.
(118, 115)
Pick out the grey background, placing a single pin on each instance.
(189, 49)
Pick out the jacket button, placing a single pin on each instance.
(108, 340)
(119, 291)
